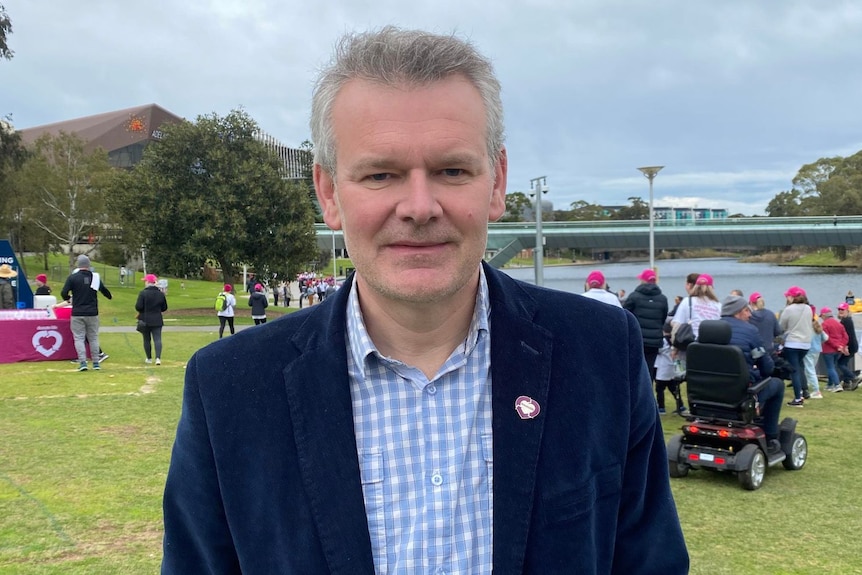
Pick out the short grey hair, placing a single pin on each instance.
(394, 57)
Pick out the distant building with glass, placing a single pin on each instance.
(677, 215)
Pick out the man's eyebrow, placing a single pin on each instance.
(370, 164)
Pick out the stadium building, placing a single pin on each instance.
(125, 133)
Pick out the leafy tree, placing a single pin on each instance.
(811, 176)
(67, 185)
(5, 31)
(785, 204)
(209, 190)
(841, 192)
(12, 157)
(638, 210)
(584, 211)
(516, 202)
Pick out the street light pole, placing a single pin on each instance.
(650, 173)
(334, 275)
(539, 187)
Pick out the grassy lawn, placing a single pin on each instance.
(83, 458)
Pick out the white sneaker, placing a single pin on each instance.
(158, 361)
(148, 360)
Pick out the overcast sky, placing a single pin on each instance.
(732, 96)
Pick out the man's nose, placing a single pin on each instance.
(419, 201)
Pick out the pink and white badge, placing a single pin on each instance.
(527, 407)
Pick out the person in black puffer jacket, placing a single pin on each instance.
(649, 306)
(258, 303)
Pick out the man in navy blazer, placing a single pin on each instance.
(267, 474)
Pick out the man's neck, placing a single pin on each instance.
(420, 335)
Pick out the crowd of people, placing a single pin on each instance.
(787, 344)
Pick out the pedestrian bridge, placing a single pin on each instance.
(506, 240)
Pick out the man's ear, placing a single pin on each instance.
(324, 187)
(498, 193)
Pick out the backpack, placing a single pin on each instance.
(221, 302)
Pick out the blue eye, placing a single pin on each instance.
(453, 172)
(379, 177)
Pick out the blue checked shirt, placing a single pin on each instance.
(425, 451)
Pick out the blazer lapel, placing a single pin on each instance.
(520, 368)
(321, 412)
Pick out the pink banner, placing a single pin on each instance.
(44, 339)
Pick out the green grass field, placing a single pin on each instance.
(83, 458)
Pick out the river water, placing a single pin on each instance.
(824, 286)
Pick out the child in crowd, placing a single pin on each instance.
(810, 360)
(665, 374)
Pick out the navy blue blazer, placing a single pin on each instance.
(264, 475)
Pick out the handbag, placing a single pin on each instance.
(684, 334)
(141, 325)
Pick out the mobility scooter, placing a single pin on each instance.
(721, 430)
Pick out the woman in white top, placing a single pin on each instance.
(701, 304)
(597, 288)
(795, 322)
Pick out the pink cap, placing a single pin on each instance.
(704, 280)
(647, 275)
(754, 297)
(843, 305)
(42, 278)
(596, 279)
(796, 291)
(150, 278)
(258, 287)
(825, 311)
(227, 287)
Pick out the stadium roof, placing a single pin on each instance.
(110, 130)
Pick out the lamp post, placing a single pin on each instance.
(539, 187)
(650, 173)
(334, 275)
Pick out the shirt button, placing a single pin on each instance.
(431, 390)
(436, 480)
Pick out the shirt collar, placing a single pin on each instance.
(361, 346)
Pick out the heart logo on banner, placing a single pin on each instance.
(47, 342)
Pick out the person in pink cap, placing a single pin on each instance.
(701, 304)
(258, 303)
(226, 315)
(649, 306)
(42, 285)
(849, 379)
(795, 324)
(597, 289)
(150, 306)
(765, 321)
